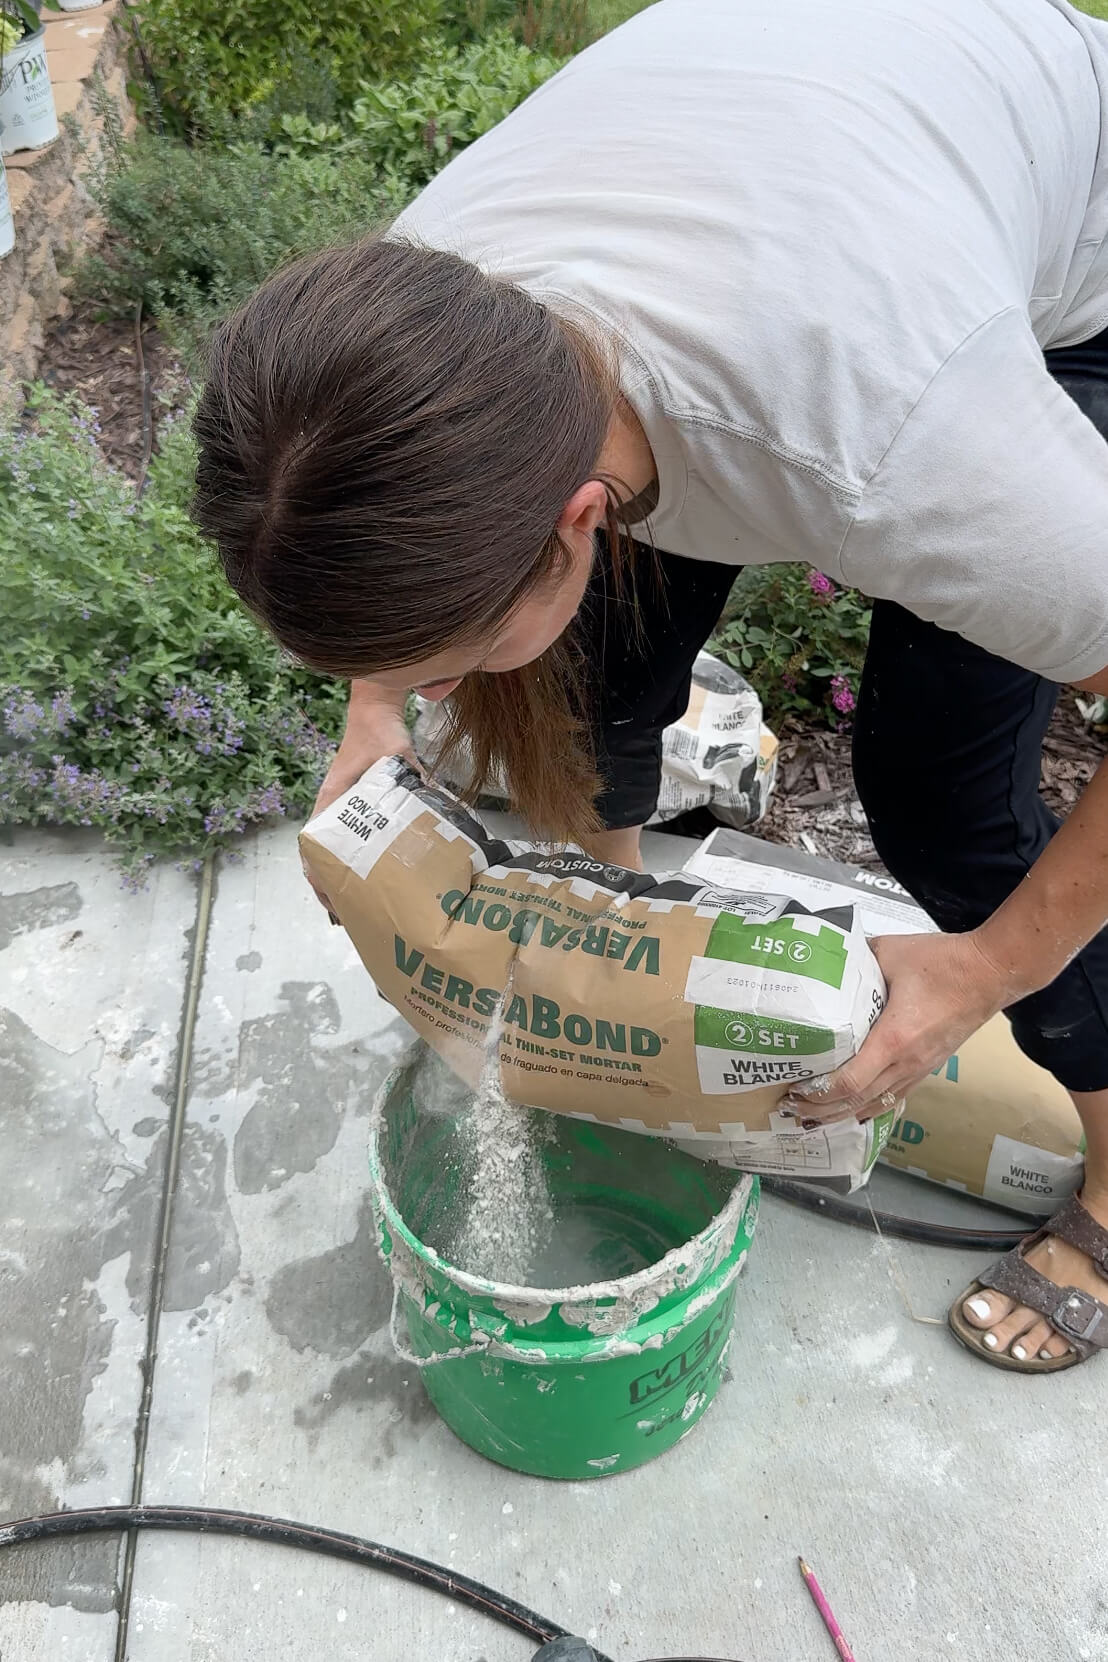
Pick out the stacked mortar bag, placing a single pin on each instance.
(720, 755)
(666, 1005)
(989, 1122)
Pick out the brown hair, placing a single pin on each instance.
(388, 437)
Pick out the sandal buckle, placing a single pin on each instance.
(1078, 1315)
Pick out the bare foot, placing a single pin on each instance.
(1024, 1333)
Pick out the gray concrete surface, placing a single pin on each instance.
(91, 992)
(949, 1510)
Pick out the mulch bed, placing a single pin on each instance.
(814, 805)
(131, 379)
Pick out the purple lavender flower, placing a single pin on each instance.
(88, 797)
(269, 801)
(841, 695)
(223, 819)
(191, 713)
(23, 715)
(61, 708)
(134, 881)
(233, 732)
(821, 586)
(21, 781)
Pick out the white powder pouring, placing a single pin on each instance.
(510, 1219)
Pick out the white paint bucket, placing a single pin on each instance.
(77, 5)
(27, 114)
(7, 224)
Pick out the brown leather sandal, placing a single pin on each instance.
(1079, 1318)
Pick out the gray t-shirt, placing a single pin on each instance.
(832, 238)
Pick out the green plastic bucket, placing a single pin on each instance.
(576, 1382)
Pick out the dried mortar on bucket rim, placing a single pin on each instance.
(606, 1310)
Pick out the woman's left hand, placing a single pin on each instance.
(941, 988)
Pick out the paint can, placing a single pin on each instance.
(7, 223)
(583, 1381)
(27, 113)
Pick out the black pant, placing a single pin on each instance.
(947, 743)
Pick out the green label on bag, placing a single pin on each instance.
(817, 957)
(751, 1035)
(880, 1130)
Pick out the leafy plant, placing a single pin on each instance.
(18, 19)
(190, 232)
(561, 27)
(135, 694)
(234, 54)
(798, 639)
(409, 129)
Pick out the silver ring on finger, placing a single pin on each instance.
(888, 1099)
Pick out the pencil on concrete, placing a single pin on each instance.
(821, 1604)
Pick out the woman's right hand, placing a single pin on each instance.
(375, 727)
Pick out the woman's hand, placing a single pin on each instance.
(941, 988)
(375, 727)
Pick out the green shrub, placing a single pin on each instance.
(798, 639)
(192, 231)
(560, 27)
(232, 55)
(135, 694)
(409, 129)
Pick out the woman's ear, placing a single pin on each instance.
(584, 513)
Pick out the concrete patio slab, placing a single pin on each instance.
(949, 1510)
(852, 1430)
(91, 992)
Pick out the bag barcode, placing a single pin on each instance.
(682, 743)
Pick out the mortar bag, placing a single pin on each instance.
(661, 1004)
(720, 755)
(989, 1122)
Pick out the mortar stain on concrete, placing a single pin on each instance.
(333, 1302)
(204, 1252)
(248, 961)
(132, 1045)
(63, 1217)
(304, 1087)
(37, 909)
(366, 1381)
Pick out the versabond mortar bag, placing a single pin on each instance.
(665, 1005)
(989, 1121)
(720, 755)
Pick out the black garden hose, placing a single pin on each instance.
(556, 1643)
(891, 1223)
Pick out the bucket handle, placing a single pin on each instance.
(437, 1356)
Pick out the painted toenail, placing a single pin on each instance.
(979, 1307)
(1045, 1356)
(991, 1340)
(1019, 1353)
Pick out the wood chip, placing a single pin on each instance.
(96, 359)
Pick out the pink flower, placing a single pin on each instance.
(822, 587)
(841, 696)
